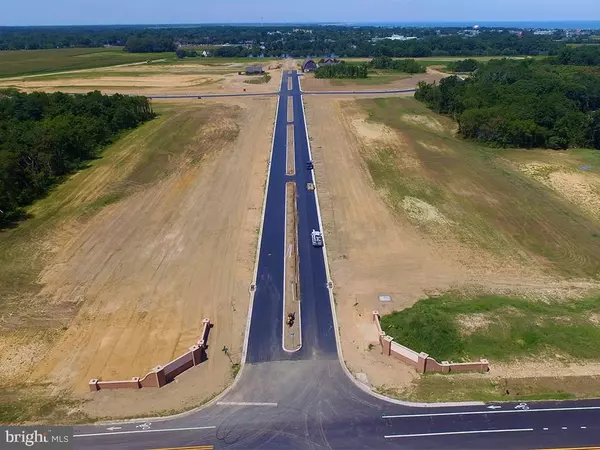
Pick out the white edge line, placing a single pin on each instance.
(452, 433)
(506, 411)
(285, 235)
(360, 385)
(247, 404)
(112, 433)
(248, 320)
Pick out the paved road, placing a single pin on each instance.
(258, 94)
(305, 400)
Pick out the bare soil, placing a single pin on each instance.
(154, 79)
(140, 275)
(290, 151)
(292, 338)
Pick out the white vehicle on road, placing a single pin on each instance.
(317, 238)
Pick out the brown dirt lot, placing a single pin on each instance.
(410, 250)
(153, 79)
(134, 280)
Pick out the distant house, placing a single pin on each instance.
(254, 70)
(309, 66)
(328, 61)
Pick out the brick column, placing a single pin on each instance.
(196, 352)
(422, 362)
(159, 373)
(386, 344)
(93, 384)
(445, 367)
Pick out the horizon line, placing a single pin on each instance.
(331, 23)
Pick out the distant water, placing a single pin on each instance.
(558, 24)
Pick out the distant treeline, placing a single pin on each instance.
(149, 44)
(44, 137)
(521, 103)
(342, 70)
(295, 41)
(401, 65)
(585, 55)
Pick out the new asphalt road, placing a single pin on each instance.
(305, 399)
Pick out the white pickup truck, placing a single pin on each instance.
(317, 238)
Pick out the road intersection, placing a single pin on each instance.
(307, 399)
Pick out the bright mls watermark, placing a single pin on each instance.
(50, 438)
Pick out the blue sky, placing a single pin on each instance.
(65, 12)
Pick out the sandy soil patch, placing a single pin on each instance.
(143, 272)
(422, 211)
(580, 188)
(470, 323)
(371, 131)
(426, 121)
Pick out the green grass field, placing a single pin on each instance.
(376, 77)
(30, 62)
(476, 195)
(500, 328)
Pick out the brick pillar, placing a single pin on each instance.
(485, 365)
(137, 382)
(386, 344)
(206, 327)
(159, 373)
(445, 367)
(422, 362)
(196, 352)
(93, 384)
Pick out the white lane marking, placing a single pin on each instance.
(452, 433)
(564, 428)
(164, 430)
(469, 413)
(545, 429)
(583, 428)
(247, 404)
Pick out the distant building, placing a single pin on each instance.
(328, 61)
(309, 65)
(251, 70)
